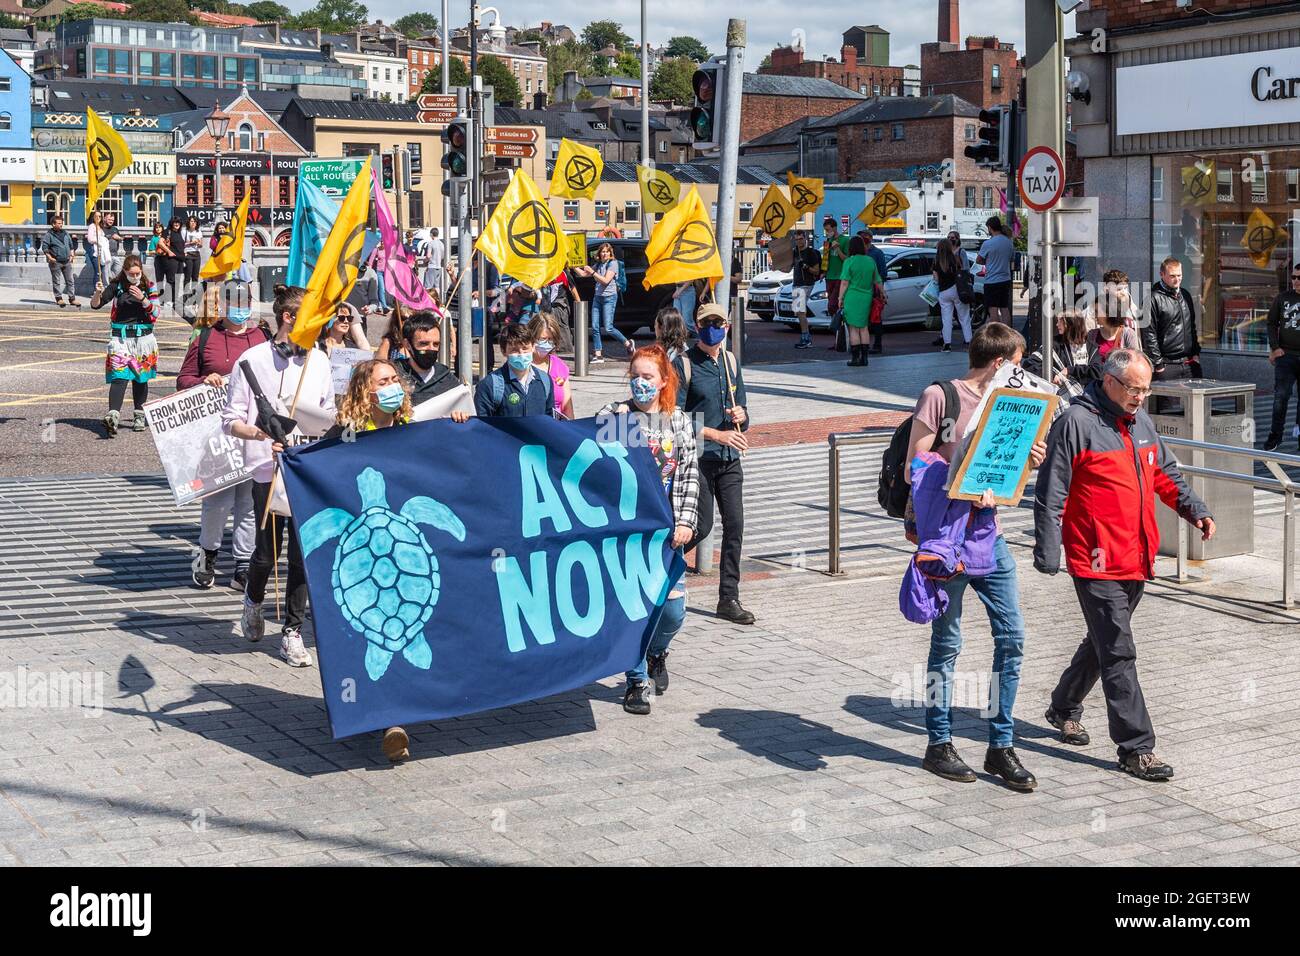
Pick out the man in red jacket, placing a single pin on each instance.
(1096, 495)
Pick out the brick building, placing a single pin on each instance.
(258, 157)
(985, 71)
(769, 101)
(863, 64)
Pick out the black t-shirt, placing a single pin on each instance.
(807, 267)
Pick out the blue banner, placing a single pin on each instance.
(313, 217)
(455, 568)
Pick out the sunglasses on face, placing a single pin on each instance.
(1294, 276)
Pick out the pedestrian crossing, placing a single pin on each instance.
(96, 552)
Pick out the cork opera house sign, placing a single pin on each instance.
(1219, 92)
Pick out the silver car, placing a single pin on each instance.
(763, 290)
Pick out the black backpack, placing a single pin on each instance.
(893, 490)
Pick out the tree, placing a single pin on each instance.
(457, 72)
(688, 47)
(626, 64)
(599, 34)
(672, 81)
(495, 73)
(9, 23)
(267, 11)
(416, 24)
(85, 11)
(331, 16)
(767, 62)
(162, 11)
(564, 57)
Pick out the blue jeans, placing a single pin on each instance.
(685, 304)
(602, 319)
(1000, 592)
(670, 622)
(381, 292)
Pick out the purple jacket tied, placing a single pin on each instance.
(955, 538)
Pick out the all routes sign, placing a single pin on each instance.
(1041, 178)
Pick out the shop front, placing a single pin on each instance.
(1193, 149)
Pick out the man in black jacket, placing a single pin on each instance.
(425, 375)
(58, 246)
(1169, 336)
(1284, 353)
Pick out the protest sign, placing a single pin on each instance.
(197, 458)
(458, 399)
(533, 560)
(997, 456)
(342, 362)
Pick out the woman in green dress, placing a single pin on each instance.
(860, 283)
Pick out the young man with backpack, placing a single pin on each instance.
(518, 388)
(938, 427)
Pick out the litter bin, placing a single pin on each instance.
(1221, 413)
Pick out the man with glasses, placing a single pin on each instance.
(1096, 494)
(1284, 353)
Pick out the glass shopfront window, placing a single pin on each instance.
(1233, 220)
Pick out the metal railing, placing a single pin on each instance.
(1280, 483)
(835, 443)
(22, 243)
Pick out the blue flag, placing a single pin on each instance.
(455, 568)
(313, 217)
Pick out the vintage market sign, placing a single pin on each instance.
(1243, 89)
(155, 170)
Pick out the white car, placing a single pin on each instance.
(763, 290)
(909, 271)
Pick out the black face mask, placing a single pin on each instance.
(425, 358)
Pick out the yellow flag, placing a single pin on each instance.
(1200, 185)
(522, 238)
(230, 247)
(886, 205)
(577, 171)
(683, 246)
(577, 248)
(106, 155)
(806, 194)
(1263, 235)
(337, 265)
(775, 214)
(659, 191)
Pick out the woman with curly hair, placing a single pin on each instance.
(376, 398)
(652, 417)
(132, 349)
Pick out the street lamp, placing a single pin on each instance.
(217, 122)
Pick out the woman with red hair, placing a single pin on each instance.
(651, 415)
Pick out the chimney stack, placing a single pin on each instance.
(949, 21)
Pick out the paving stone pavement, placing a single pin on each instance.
(795, 741)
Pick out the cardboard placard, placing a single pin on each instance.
(997, 454)
(196, 457)
(342, 361)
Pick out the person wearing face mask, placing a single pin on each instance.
(518, 388)
(711, 391)
(210, 359)
(278, 366)
(655, 420)
(132, 349)
(547, 334)
(424, 375)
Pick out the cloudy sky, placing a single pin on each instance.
(771, 22)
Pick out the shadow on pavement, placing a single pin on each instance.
(791, 741)
(969, 724)
(93, 426)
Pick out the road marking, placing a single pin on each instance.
(84, 357)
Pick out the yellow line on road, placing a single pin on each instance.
(84, 357)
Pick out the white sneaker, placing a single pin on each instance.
(251, 623)
(291, 650)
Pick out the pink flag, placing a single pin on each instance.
(400, 279)
(1002, 201)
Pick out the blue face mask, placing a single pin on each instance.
(519, 362)
(238, 316)
(643, 391)
(391, 397)
(712, 335)
(545, 346)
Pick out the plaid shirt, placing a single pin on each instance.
(679, 467)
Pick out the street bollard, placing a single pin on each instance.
(704, 552)
(580, 332)
(737, 344)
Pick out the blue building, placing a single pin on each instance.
(16, 161)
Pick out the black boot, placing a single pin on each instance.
(636, 699)
(866, 355)
(1003, 762)
(942, 759)
(857, 355)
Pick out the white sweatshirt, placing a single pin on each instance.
(279, 380)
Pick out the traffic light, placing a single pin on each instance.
(387, 159)
(997, 138)
(706, 114)
(410, 167)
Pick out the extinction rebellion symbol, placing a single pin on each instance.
(693, 244)
(1198, 187)
(531, 232)
(884, 206)
(579, 173)
(659, 191)
(802, 197)
(101, 160)
(773, 218)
